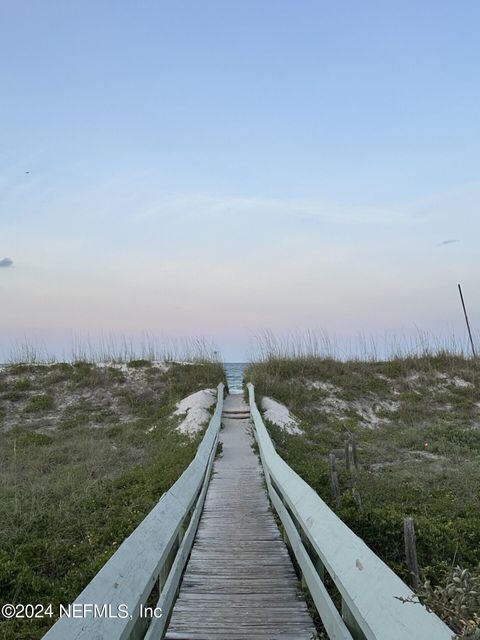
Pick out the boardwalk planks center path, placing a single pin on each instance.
(239, 582)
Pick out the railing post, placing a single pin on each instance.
(162, 578)
(320, 568)
(317, 563)
(351, 623)
(181, 533)
(285, 539)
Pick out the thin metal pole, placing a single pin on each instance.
(466, 320)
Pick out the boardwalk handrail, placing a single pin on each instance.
(148, 565)
(371, 593)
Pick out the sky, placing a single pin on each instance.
(223, 167)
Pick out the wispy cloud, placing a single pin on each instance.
(209, 206)
(444, 242)
(6, 262)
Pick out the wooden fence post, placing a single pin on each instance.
(411, 552)
(351, 454)
(357, 497)
(353, 443)
(334, 478)
(347, 452)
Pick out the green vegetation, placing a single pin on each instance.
(38, 403)
(85, 453)
(137, 364)
(416, 421)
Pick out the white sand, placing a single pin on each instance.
(195, 409)
(123, 366)
(280, 415)
(324, 386)
(461, 383)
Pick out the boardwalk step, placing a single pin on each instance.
(232, 414)
(236, 413)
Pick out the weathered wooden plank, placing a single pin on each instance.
(239, 581)
(246, 634)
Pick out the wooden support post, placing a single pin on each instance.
(357, 497)
(347, 452)
(303, 582)
(352, 624)
(139, 629)
(181, 533)
(411, 552)
(162, 578)
(286, 540)
(334, 485)
(353, 443)
(320, 568)
(305, 542)
(312, 554)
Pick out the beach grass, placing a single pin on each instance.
(86, 450)
(415, 418)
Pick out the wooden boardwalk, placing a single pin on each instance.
(239, 582)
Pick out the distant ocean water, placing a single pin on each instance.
(234, 372)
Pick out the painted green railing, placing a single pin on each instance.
(371, 593)
(132, 595)
(142, 578)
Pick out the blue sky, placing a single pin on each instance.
(218, 168)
